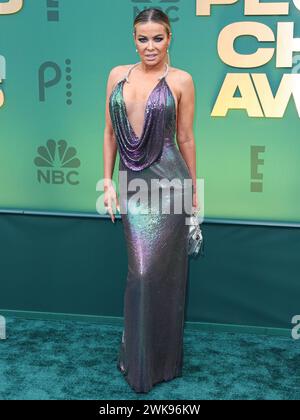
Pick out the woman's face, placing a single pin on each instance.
(151, 42)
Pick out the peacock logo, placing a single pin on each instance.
(56, 163)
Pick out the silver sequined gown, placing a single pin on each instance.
(151, 347)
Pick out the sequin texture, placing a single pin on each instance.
(151, 348)
(160, 114)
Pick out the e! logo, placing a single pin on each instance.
(256, 176)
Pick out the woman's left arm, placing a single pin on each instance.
(185, 133)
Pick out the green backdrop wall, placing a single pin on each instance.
(55, 60)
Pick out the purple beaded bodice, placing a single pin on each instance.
(159, 125)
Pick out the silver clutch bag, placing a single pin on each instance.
(195, 237)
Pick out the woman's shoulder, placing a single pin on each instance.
(180, 75)
(181, 80)
(116, 74)
(120, 70)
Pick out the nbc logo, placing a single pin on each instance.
(56, 163)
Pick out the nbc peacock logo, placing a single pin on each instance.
(56, 163)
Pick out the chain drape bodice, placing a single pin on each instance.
(159, 124)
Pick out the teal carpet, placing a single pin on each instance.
(76, 360)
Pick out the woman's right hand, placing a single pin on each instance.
(111, 198)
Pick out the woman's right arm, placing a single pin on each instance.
(109, 147)
(109, 143)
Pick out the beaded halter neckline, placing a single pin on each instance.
(159, 125)
(134, 65)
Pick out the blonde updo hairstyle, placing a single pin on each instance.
(154, 15)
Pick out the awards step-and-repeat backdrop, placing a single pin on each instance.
(244, 56)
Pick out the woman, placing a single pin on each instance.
(146, 102)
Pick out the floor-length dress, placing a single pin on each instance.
(151, 348)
